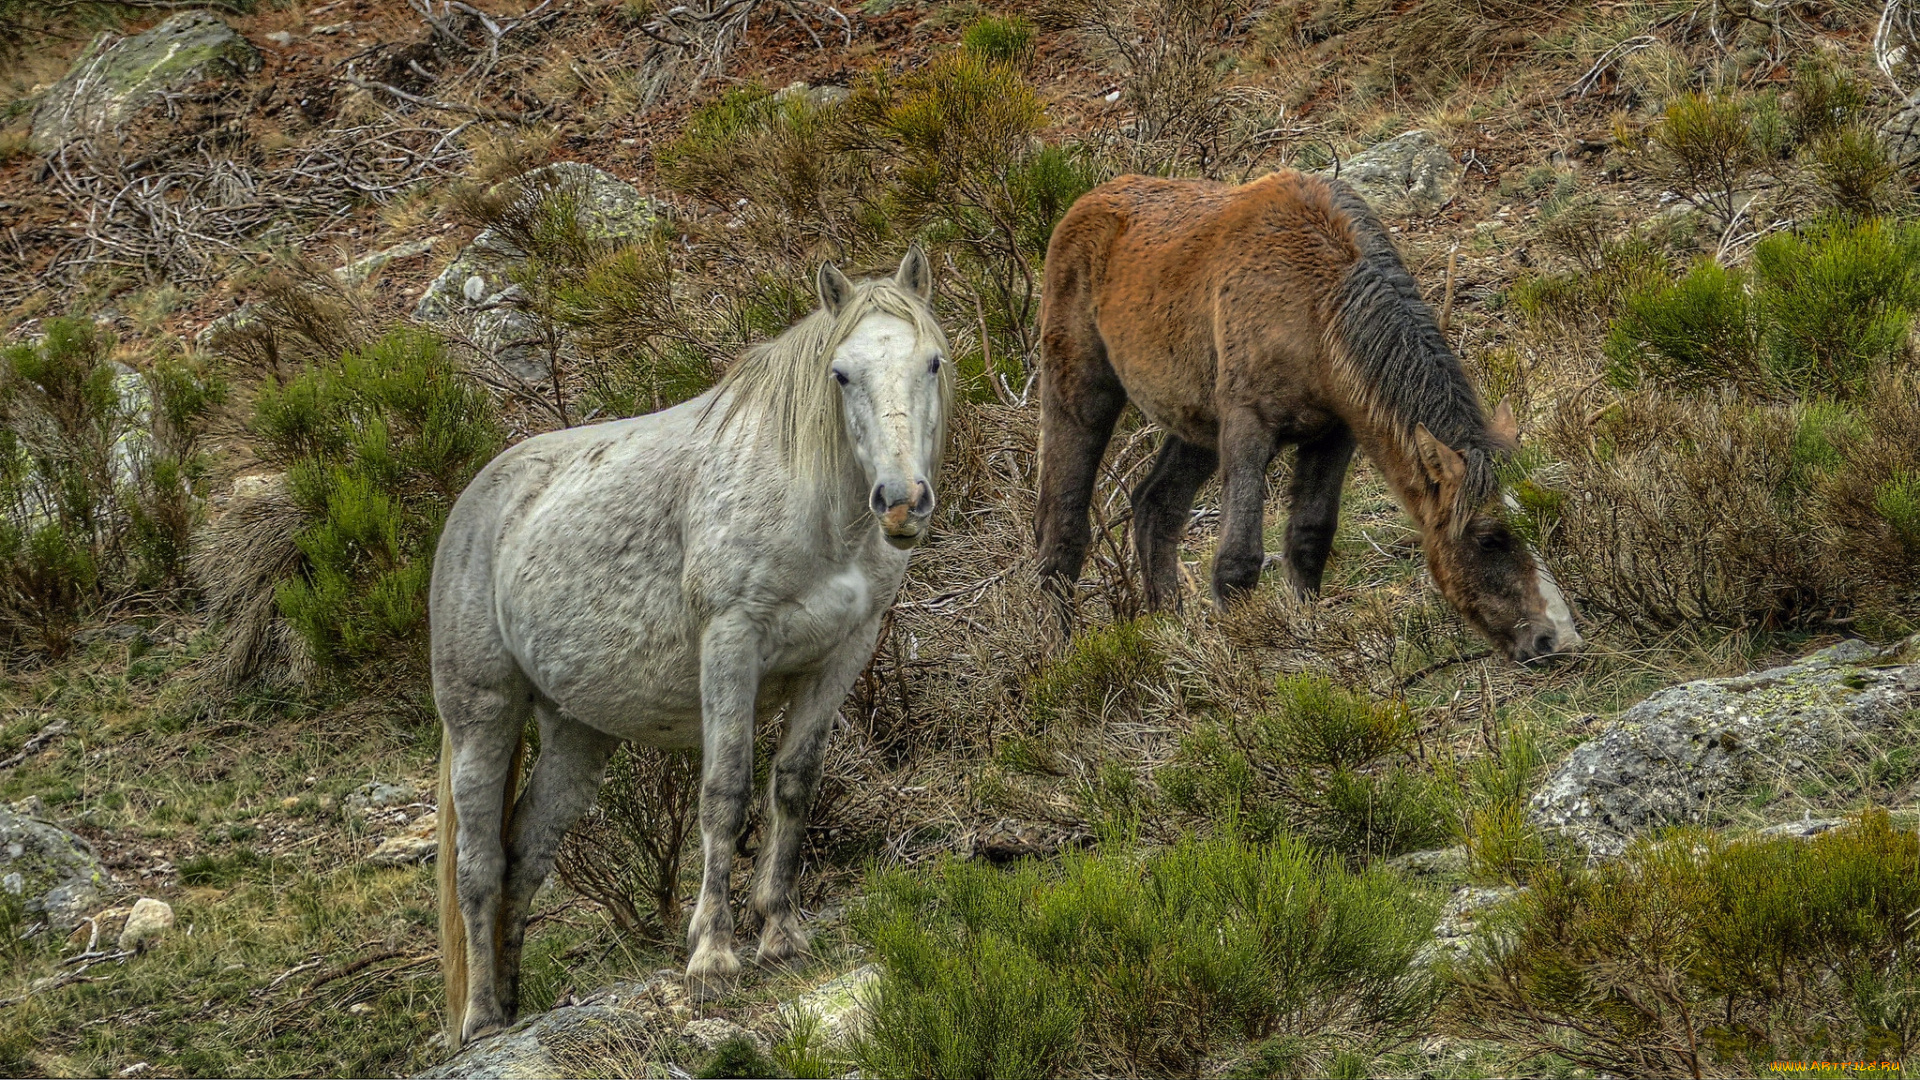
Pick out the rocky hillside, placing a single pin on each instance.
(279, 277)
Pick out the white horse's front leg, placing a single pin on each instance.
(791, 790)
(729, 683)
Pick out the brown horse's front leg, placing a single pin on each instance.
(1246, 448)
(1319, 474)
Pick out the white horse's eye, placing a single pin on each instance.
(933, 366)
(840, 376)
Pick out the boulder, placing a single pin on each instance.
(476, 290)
(626, 1018)
(420, 843)
(1407, 172)
(1675, 757)
(839, 1006)
(56, 872)
(1461, 921)
(148, 920)
(118, 76)
(378, 794)
(709, 1033)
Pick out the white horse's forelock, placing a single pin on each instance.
(786, 383)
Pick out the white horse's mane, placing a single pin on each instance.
(786, 381)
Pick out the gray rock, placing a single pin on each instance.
(377, 794)
(565, 1040)
(840, 1006)
(819, 97)
(1443, 863)
(488, 311)
(1679, 754)
(420, 843)
(1412, 171)
(57, 872)
(146, 923)
(117, 76)
(1461, 921)
(709, 1033)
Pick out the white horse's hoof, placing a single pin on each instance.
(711, 974)
(782, 945)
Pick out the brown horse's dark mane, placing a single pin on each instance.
(1396, 362)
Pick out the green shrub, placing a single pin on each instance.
(1703, 956)
(1001, 39)
(1836, 302)
(1856, 176)
(102, 474)
(1105, 669)
(1326, 764)
(1705, 146)
(1822, 312)
(376, 446)
(1823, 101)
(1693, 333)
(1132, 963)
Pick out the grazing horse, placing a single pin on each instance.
(1243, 318)
(669, 580)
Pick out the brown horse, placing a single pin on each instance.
(1241, 319)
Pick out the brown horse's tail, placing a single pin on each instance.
(453, 927)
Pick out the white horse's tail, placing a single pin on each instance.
(453, 927)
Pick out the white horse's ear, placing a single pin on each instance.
(916, 273)
(1505, 428)
(835, 289)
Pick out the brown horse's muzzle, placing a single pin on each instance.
(903, 511)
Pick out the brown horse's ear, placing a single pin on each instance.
(835, 289)
(1444, 466)
(916, 273)
(1505, 428)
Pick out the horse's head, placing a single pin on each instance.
(1495, 578)
(893, 394)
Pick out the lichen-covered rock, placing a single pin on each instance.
(477, 292)
(117, 76)
(1461, 922)
(378, 794)
(1411, 171)
(420, 843)
(840, 1006)
(149, 920)
(56, 872)
(566, 1041)
(1677, 755)
(1900, 134)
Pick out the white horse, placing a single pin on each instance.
(669, 580)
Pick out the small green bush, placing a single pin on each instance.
(1326, 764)
(1836, 302)
(1855, 174)
(1699, 956)
(1105, 669)
(102, 473)
(1695, 332)
(376, 446)
(1822, 312)
(1001, 39)
(1706, 145)
(1131, 963)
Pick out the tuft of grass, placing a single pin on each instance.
(1105, 670)
(1132, 962)
(1002, 39)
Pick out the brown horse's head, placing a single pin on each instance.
(1481, 565)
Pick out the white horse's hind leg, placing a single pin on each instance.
(729, 683)
(566, 779)
(790, 794)
(484, 726)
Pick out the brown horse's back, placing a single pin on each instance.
(1202, 298)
